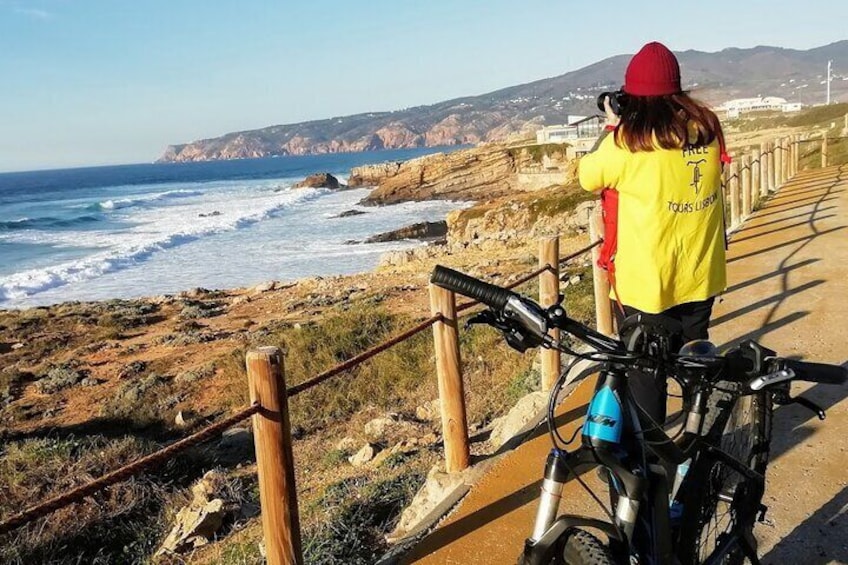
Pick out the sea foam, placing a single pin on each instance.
(155, 230)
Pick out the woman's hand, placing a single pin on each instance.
(612, 118)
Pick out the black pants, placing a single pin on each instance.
(694, 317)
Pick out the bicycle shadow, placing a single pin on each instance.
(818, 540)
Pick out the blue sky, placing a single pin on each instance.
(86, 82)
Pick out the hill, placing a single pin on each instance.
(797, 75)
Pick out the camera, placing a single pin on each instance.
(617, 101)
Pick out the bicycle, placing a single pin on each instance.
(706, 513)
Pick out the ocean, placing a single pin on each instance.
(138, 230)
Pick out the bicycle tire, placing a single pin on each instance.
(741, 426)
(582, 548)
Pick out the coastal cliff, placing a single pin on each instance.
(478, 173)
(317, 138)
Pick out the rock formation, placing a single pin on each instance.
(371, 175)
(422, 230)
(319, 180)
(479, 173)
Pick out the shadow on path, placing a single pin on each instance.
(821, 539)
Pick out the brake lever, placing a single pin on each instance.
(486, 317)
(783, 399)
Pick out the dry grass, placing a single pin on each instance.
(120, 524)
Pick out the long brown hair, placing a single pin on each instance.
(666, 121)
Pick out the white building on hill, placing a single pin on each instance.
(734, 108)
(578, 127)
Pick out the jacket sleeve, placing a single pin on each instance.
(601, 168)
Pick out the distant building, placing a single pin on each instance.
(578, 127)
(739, 106)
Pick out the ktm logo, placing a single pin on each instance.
(603, 420)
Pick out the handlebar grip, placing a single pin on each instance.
(818, 372)
(489, 294)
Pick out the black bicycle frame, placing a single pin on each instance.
(613, 436)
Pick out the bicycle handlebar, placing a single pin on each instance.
(818, 372)
(460, 283)
(532, 317)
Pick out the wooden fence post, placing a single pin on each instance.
(746, 186)
(824, 150)
(603, 306)
(548, 296)
(786, 159)
(756, 175)
(734, 194)
(772, 160)
(798, 139)
(796, 153)
(778, 168)
(274, 459)
(449, 373)
(789, 157)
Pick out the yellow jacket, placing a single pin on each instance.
(670, 222)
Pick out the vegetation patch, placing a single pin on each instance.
(122, 524)
(559, 201)
(60, 377)
(351, 517)
(536, 152)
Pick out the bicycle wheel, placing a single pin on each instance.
(582, 548)
(718, 499)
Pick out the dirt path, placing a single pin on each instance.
(788, 267)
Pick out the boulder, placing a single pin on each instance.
(364, 455)
(267, 286)
(437, 488)
(377, 428)
(319, 180)
(422, 230)
(349, 213)
(504, 428)
(197, 523)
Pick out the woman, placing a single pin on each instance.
(663, 156)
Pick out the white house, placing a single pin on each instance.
(739, 106)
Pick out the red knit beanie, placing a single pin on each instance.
(653, 71)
